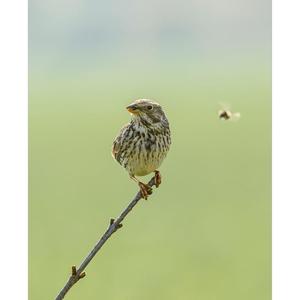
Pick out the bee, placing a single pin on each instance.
(226, 114)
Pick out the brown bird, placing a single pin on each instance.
(142, 144)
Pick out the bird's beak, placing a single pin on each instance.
(132, 108)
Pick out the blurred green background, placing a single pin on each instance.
(206, 232)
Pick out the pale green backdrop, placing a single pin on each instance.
(206, 232)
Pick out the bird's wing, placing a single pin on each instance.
(116, 146)
(118, 142)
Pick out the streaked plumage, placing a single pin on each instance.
(142, 144)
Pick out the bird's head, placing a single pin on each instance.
(148, 112)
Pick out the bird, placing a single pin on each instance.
(143, 143)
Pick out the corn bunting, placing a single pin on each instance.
(142, 144)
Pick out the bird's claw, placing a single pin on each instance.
(146, 190)
(157, 178)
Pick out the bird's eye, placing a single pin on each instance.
(150, 107)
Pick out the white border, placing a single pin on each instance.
(13, 149)
(286, 150)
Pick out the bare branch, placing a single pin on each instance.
(114, 225)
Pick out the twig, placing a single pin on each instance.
(114, 225)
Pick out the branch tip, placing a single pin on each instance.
(74, 271)
(111, 222)
(82, 275)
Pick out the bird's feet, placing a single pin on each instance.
(146, 190)
(157, 178)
